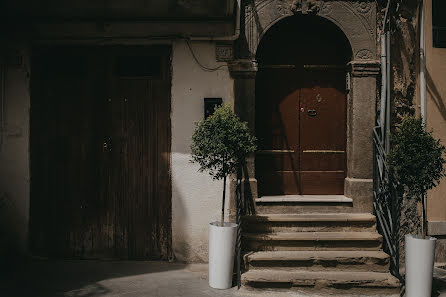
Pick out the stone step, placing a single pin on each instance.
(313, 222)
(334, 282)
(311, 241)
(376, 261)
(294, 204)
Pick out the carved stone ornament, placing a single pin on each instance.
(363, 6)
(325, 8)
(306, 6)
(364, 54)
(364, 68)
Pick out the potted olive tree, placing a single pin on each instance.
(220, 145)
(417, 160)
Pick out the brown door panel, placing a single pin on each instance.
(322, 160)
(277, 161)
(322, 123)
(277, 111)
(277, 114)
(322, 128)
(279, 183)
(322, 182)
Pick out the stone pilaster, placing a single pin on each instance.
(360, 122)
(244, 73)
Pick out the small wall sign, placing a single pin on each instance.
(210, 104)
(223, 52)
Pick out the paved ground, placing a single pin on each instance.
(108, 278)
(439, 283)
(41, 278)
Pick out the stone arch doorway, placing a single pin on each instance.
(357, 20)
(301, 107)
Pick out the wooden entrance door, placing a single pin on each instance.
(100, 145)
(323, 131)
(300, 123)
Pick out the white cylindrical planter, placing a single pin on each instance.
(419, 265)
(221, 254)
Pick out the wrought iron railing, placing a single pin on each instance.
(386, 203)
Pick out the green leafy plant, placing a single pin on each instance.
(220, 145)
(417, 160)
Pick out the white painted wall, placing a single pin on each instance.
(196, 198)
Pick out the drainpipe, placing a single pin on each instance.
(388, 92)
(233, 37)
(423, 102)
(422, 68)
(385, 81)
(382, 114)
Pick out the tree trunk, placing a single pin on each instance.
(223, 203)
(424, 216)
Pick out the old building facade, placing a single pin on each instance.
(98, 103)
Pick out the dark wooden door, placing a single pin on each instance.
(322, 132)
(100, 145)
(300, 123)
(278, 158)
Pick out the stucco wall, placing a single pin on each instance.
(14, 159)
(435, 110)
(196, 198)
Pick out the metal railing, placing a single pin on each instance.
(386, 203)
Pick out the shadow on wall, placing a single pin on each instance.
(435, 95)
(405, 68)
(9, 249)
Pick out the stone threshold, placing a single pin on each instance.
(313, 217)
(305, 199)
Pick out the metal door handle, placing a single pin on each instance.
(312, 112)
(107, 145)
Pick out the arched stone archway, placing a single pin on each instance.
(357, 19)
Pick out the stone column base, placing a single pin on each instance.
(361, 191)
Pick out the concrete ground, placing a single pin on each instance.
(439, 282)
(50, 278)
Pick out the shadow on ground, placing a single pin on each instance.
(48, 278)
(439, 283)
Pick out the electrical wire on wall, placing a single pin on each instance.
(208, 69)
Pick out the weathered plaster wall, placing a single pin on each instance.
(14, 158)
(404, 51)
(436, 120)
(406, 101)
(435, 109)
(196, 199)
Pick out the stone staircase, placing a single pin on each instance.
(315, 244)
